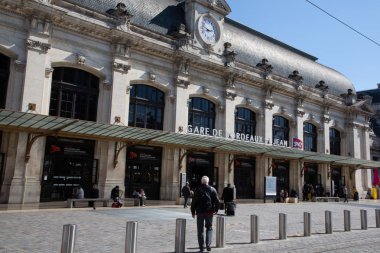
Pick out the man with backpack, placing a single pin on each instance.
(205, 204)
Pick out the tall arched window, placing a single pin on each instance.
(146, 107)
(334, 141)
(280, 128)
(201, 113)
(245, 121)
(74, 94)
(309, 137)
(4, 75)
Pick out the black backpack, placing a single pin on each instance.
(204, 199)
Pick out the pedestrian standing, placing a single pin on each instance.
(345, 193)
(227, 196)
(186, 194)
(205, 204)
(93, 194)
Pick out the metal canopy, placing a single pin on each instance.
(11, 121)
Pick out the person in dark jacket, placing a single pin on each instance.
(94, 194)
(227, 196)
(186, 194)
(115, 193)
(205, 204)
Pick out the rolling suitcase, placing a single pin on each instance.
(231, 209)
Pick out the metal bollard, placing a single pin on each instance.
(282, 227)
(377, 213)
(131, 237)
(328, 222)
(347, 220)
(363, 219)
(68, 238)
(180, 236)
(306, 224)
(220, 232)
(254, 229)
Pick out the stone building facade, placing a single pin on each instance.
(177, 67)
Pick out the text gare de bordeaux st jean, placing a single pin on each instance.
(237, 136)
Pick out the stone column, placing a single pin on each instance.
(25, 185)
(110, 172)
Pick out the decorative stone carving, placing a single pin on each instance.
(121, 67)
(38, 45)
(107, 85)
(122, 15)
(311, 116)
(326, 119)
(230, 80)
(300, 112)
(229, 56)
(205, 90)
(128, 89)
(41, 26)
(265, 67)
(182, 37)
(152, 76)
(297, 78)
(48, 71)
(19, 66)
(269, 105)
(268, 90)
(221, 107)
(350, 97)
(172, 96)
(122, 50)
(248, 101)
(80, 59)
(182, 83)
(184, 67)
(322, 86)
(230, 95)
(300, 99)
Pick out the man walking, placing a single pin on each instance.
(205, 204)
(227, 196)
(186, 194)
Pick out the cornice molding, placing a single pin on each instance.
(38, 45)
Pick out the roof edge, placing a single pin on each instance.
(270, 39)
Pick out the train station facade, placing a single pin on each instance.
(151, 94)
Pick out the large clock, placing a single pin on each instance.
(208, 29)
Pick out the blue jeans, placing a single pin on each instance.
(186, 200)
(204, 221)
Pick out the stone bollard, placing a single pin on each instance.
(131, 237)
(220, 232)
(328, 222)
(363, 219)
(180, 236)
(282, 227)
(254, 229)
(307, 223)
(377, 213)
(68, 238)
(347, 220)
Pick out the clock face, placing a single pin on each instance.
(208, 29)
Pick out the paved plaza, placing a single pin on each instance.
(103, 230)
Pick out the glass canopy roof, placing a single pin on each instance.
(11, 121)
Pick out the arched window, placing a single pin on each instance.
(245, 121)
(280, 128)
(309, 137)
(4, 75)
(146, 107)
(74, 94)
(201, 113)
(334, 141)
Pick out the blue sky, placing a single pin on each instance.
(301, 25)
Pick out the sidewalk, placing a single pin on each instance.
(103, 230)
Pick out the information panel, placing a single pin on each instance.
(270, 188)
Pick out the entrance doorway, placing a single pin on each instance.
(244, 177)
(311, 175)
(337, 182)
(68, 163)
(200, 164)
(143, 170)
(281, 171)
